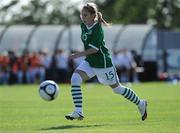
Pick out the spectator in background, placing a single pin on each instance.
(4, 69)
(24, 68)
(41, 68)
(35, 72)
(138, 66)
(12, 67)
(73, 64)
(62, 65)
(20, 73)
(46, 60)
(122, 65)
(116, 62)
(125, 65)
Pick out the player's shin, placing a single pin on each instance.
(76, 81)
(127, 93)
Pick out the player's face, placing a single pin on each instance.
(87, 17)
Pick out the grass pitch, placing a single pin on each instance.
(23, 111)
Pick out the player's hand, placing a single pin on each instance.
(72, 56)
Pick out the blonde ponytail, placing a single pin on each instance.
(101, 19)
(92, 8)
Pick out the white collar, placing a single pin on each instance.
(91, 25)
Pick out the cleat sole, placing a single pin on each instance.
(145, 114)
(71, 118)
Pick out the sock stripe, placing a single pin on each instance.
(75, 90)
(136, 100)
(78, 106)
(133, 97)
(75, 94)
(130, 95)
(74, 98)
(75, 86)
(77, 101)
(124, 92)
(77, 97)
(127, 93)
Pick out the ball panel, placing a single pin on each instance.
(48, 90)
(44, 95)
(57, 91)
(46, 82)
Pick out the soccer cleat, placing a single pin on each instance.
(143, 109)
(74, 115)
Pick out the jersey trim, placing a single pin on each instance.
(104, 57)
(117, 79)
(92, 25)
(93, 46)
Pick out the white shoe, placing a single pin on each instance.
(74, 115)
(143, 109)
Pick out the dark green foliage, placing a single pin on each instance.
(161, 13)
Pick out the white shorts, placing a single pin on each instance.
(107, 76)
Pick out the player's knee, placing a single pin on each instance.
(76, 79)
(119, 90)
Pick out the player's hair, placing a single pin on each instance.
(92, 8)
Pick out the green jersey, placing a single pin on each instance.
(93, 37)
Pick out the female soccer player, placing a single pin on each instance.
(98, 63)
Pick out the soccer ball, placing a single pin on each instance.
(48, 90)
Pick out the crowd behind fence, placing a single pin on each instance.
(36, 67)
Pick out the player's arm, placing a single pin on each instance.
(84, 53)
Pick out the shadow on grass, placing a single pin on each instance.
(69, 127)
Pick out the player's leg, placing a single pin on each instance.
(76, 80)
(108, 76)
(130, 95)
(82, 73)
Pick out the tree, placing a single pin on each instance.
(33, 13)
(161, 13)
(43, 12)
(127, 11)
(64, 12)
(4, 9)
(167, 14)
